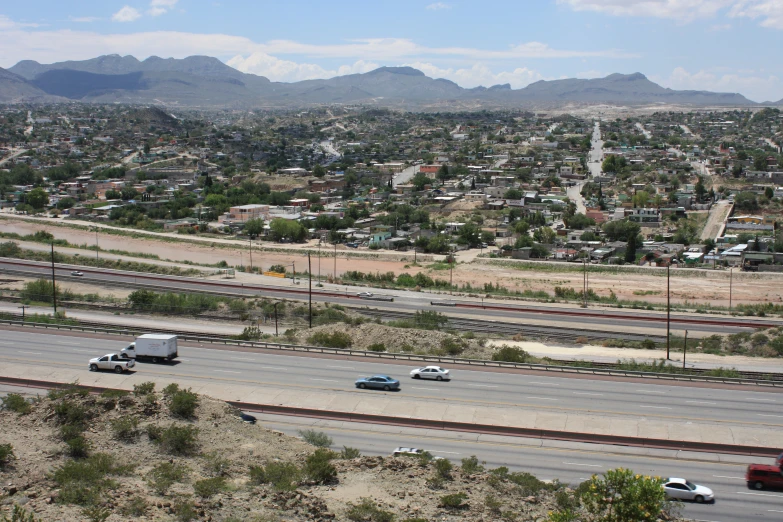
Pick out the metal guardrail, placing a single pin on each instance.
(190, 336)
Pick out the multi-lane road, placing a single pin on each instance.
(621, 321)
(491, 388)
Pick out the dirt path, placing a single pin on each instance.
(718, 214)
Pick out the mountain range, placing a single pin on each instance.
(207, 82)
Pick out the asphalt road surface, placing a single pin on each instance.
(630, 400)
(620, 321)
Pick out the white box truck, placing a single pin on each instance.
(152, 347)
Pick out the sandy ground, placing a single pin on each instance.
(693, 286)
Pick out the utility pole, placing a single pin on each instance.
(276, 318)
(54, 284)
(319, 263)
(731, 273)
(23, 308)
(293, 267)
(250, 241)
(668, 312)
(334, 276)
(684, 349)
(584, 283)
(451, 271)
(310, 284)
(96, 244)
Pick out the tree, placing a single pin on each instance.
(630, 250)
(513, 194)
(319, 171)
(420, 180)
(128, 193)
(769, 193)
(578, 221)
(544, 235)
(640, 199)
(146, 148)
(281, 229)
(760, 162)
(37, 198)
(621, 230)
(113, 194)
(443, 173)
(700, 190)
(746, 201)
(254, 227)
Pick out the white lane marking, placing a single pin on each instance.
(758, 494)
(66, 342)
(324, 380)
(650, 391)
(450, 452)
(765, 400)
(483, 385)
(765, 415)
(724, 476)
(225, 371)
(656, 407)
(775, 511)
(30, 353)
(419, 388)
(85, 351)
(587, 393)
(241, 358)
(271, 368)
(545, 383)
(578, 464)
(343, 367)
(542, 398)
(700, 402)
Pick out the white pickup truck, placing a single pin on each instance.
(111, 361)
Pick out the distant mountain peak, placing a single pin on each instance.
(407, 71)
(626, 77)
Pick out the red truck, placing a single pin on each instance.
(764, 476)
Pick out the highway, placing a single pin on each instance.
(571, 464)
(621, 321)
(634, 401)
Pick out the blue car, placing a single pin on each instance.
(378, 382)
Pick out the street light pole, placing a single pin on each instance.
(731, 274)
(334, 276)
(310, 285)
(96, 244)
(250, 242)
(275, 306)
(668, 312)
(684, 348)
(54, 284)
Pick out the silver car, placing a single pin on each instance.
(681, 489)
(435, 373)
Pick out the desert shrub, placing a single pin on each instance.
(318, 439)
(16, 403)
(648, 344)
(283, 476)
(566, 501)
(454, 501)
(511, 354)
(319, 468)
(96, 513)
(114, 394)
(71, 390)
(443, 468)
(350, 453)
(77, 447)
(20, 514)
(377, 347)
(68, 412)
(493, 504)
(176, 440)
(367, 511)
(216, 465)
(185, 510)
(135, 507)
(164, 475)
(170, 390)
(6, 455)
(529, 484)
(451, 346)
(210, 487)
(183, 404)
(333, 340)
(471, 465)
(144, 388)
(81, 482)
(126, 429)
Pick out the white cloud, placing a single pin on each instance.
(720, 27)
(83, 19)
(752, 84)
(159, 7)
(437, 6)
(126, 14)
(480, 74)
(287, 71)
(769, 11)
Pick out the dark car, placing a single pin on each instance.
(378, 382)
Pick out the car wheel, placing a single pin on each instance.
(386, 388)
(93, 367)
(698, 499)
(438, 378)
(362, 385)
(155, 360)
(118, 369)
(416, 376)
(758, 485)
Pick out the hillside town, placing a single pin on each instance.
(699, 188)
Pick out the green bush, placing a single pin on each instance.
(96, 513)
(333, 340)
(283, 476)
(443, 468)
(210, 487)
(6, 455)
(135, 507)
(69, 412)
(471, 465)
(71, 390)
(319, 468)
(216, 465)
(367, 511)
(164, 475)
(623, 495)
(350, 453)
(39, 291)
(454, 501)
(183, 404)
(144, 388)
(377, 347)
(185, 510)
(451, 346)
(493, 504)
(511, 354)
(126, 429)
(19, 514)
(529, 484)
(318, 439)
(78, 447)
(82, 482)
(170, 390)
(114, 394)
(175, 440)
(16, 403)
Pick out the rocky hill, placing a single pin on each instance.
(206, 81)
(149, 455)
(14, 88)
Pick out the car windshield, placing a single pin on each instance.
(690, 485)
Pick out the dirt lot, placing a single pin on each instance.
(646, 284)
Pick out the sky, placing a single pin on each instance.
(715, 45)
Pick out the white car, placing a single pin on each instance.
(77, 273)
(431, 372)
(414, 452)
(364, 294)
(111, 361)
(681, 489)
